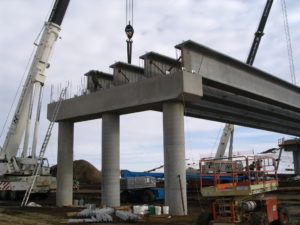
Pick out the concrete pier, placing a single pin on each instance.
(174, 158)
(64, 191)
(110, 159)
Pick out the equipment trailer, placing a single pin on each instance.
(141, 187)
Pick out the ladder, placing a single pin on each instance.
(224, 211)
(43, 150)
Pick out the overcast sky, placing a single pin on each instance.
(93, 37)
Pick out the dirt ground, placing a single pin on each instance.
(12, 213)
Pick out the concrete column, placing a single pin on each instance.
(110, 160)
(296, 157)
(174, 158)
(64, 191)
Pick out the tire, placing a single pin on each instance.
(125, 196)
(204, 219)
(283, 216)
(13, 195)
(259, 218)
(147, 196)
(4, 195)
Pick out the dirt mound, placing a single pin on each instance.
(84, 172)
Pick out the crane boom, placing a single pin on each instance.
(229, 128)
(34, 81)
(259, 33)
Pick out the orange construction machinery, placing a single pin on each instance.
(237, 191)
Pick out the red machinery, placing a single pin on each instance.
(237, 191)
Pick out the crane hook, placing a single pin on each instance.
(129, 31)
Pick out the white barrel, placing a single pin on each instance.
(137, 209)
(145, 209)
(157, 210)
(165, 210)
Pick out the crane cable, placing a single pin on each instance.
(288, 41)
(129, 12)
(129, 28)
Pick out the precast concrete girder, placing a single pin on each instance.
(225, 72)
(221, 113)
(229, 99)
(225, 105)
(126, 73)
(156, 64)
(221, 87)
(217, 93)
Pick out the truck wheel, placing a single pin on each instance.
(283, 216)
(259, 218)
(125, 196)
(13, 195)
(204, 219)
(3, 195)
(147, 196)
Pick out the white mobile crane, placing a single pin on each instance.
(16, 172)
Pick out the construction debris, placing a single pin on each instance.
(33, 204)
(95, 212)
(95, 219)
(127, 216)
(101, 215)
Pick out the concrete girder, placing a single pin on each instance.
(237, 76)
(233, 100)
(262, 114)
(215, 116)
(126, 73)
(157, 65)
(211, 93)
(288, 119)
(221, 113)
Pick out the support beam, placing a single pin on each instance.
(110, 159)
(64, 190)
(131, 97)
(174, 158)
(226, 72)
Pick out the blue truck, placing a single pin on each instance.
(141, 187)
